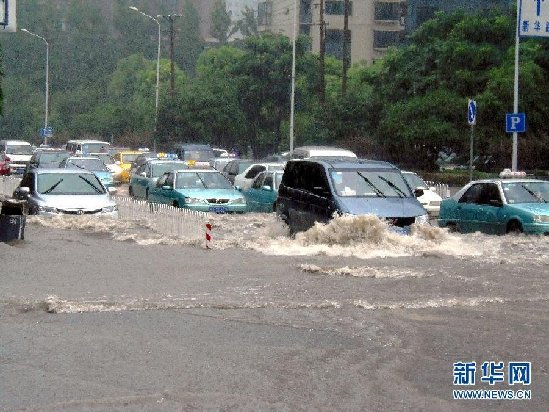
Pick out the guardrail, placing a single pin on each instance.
(8, 184)
(166, 219)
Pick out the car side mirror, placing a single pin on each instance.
(267, 188)
(143, 174)
(167, 187)
(418, 192)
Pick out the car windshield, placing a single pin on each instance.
(94, 165)
(414, 181)
(160, 168)
(198, 155)
(53, 157)
(369, 183)
(526, 192)
(69, 184)
(202, 180)
(128, 157)
(19, 149)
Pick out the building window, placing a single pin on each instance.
(264, 13)
(305, 12)
(424, 13)
(387, 11)
(384, 39)
(334, 43)
(337, 8)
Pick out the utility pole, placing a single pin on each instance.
(346, 47)
(171, 18)
(322, 85)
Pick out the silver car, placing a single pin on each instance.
(65, 191)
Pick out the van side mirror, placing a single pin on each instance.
(418, 192)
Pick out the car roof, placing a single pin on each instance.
(348, 163)
(83, 157)
(504, 180)
(59, 171)
(198, 171)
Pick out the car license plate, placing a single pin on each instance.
(218, 209)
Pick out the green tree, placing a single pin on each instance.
(220, 22)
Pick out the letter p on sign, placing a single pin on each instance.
(515, 122)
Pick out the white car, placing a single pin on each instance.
(430, 200)
(244, 180)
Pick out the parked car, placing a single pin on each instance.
(47, 158)
(430, 200)
(204, 190)
(313, 190)
(244, 179)
(235, 167)
(143, 158)
(126, 160)
(498, 206)
(18, 153)
(145, 176)
(91, 163)
(112, 165)
(262, 194)
(65, 191)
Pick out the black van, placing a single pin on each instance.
(313, 190)
(198, 153)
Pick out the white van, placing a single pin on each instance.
(18, 154)
(85, 147)
(311, 152)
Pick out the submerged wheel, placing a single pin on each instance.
(514, 227)
(453, 228)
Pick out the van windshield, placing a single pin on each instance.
(369, 183)
(19, 149)
(99, 147)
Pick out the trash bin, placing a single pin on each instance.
(12, 220)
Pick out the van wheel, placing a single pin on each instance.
(514, 227)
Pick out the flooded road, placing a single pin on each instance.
(113, 315)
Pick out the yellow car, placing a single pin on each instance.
(125, 160)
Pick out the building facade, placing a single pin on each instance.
(374, 25)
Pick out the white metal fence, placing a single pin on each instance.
(163, 218)
(442, 189)
(8, 185)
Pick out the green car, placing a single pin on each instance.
(498, 206)
(262, 194)
(204, 190)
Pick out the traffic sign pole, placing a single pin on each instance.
(472, 120)
(514, 160)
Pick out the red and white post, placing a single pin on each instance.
(208, 235)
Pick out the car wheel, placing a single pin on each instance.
(453, 228)
(175, 203)
(514, 227)
(274, 207)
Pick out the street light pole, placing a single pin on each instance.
(157, 73)
(292, 96)
(171, 19)
(47, 81)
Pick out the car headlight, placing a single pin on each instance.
(238, 201)
(422, 220)
(541, 219)
(110, 209)
(191, 200)
(47, 209)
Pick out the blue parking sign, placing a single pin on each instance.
(515, 122)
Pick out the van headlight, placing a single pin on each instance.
(47, 209)
(541, 219)
(110, 209)
(422, 220)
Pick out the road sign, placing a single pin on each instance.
(533, 18)
(515, 122)
(46, 131)
(472, 112)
